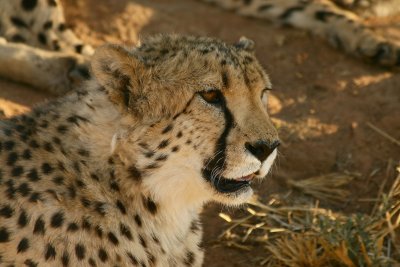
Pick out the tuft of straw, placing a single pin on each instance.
(305, 235)
(326, 187)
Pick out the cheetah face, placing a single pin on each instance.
(245, 145)
(243, 150)
(208, 133)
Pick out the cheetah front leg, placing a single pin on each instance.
(54, 72)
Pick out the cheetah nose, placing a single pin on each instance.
(262, 149)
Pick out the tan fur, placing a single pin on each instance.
(115, 174)
(24, 23)
(342, 28)
(54, 72)
(27, 29)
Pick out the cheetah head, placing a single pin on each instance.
(201, 107)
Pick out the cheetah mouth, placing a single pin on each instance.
(226, 185)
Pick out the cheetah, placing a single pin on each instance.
(38, 48)
(326, 18)
(116, 173)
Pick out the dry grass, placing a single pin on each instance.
(305, 235)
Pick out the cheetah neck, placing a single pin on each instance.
(102, 168)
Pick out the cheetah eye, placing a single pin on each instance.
(212, 96)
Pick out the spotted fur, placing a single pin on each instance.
(116, 173)
(37, 47)
(39, 23)
(342, 28)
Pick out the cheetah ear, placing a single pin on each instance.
(117, 70)
(245, 44)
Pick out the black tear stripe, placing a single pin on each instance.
(218, 160)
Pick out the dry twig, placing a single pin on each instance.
(383, 133)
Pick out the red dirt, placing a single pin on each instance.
(322, 98)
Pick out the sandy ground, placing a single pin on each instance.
(321, 103)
